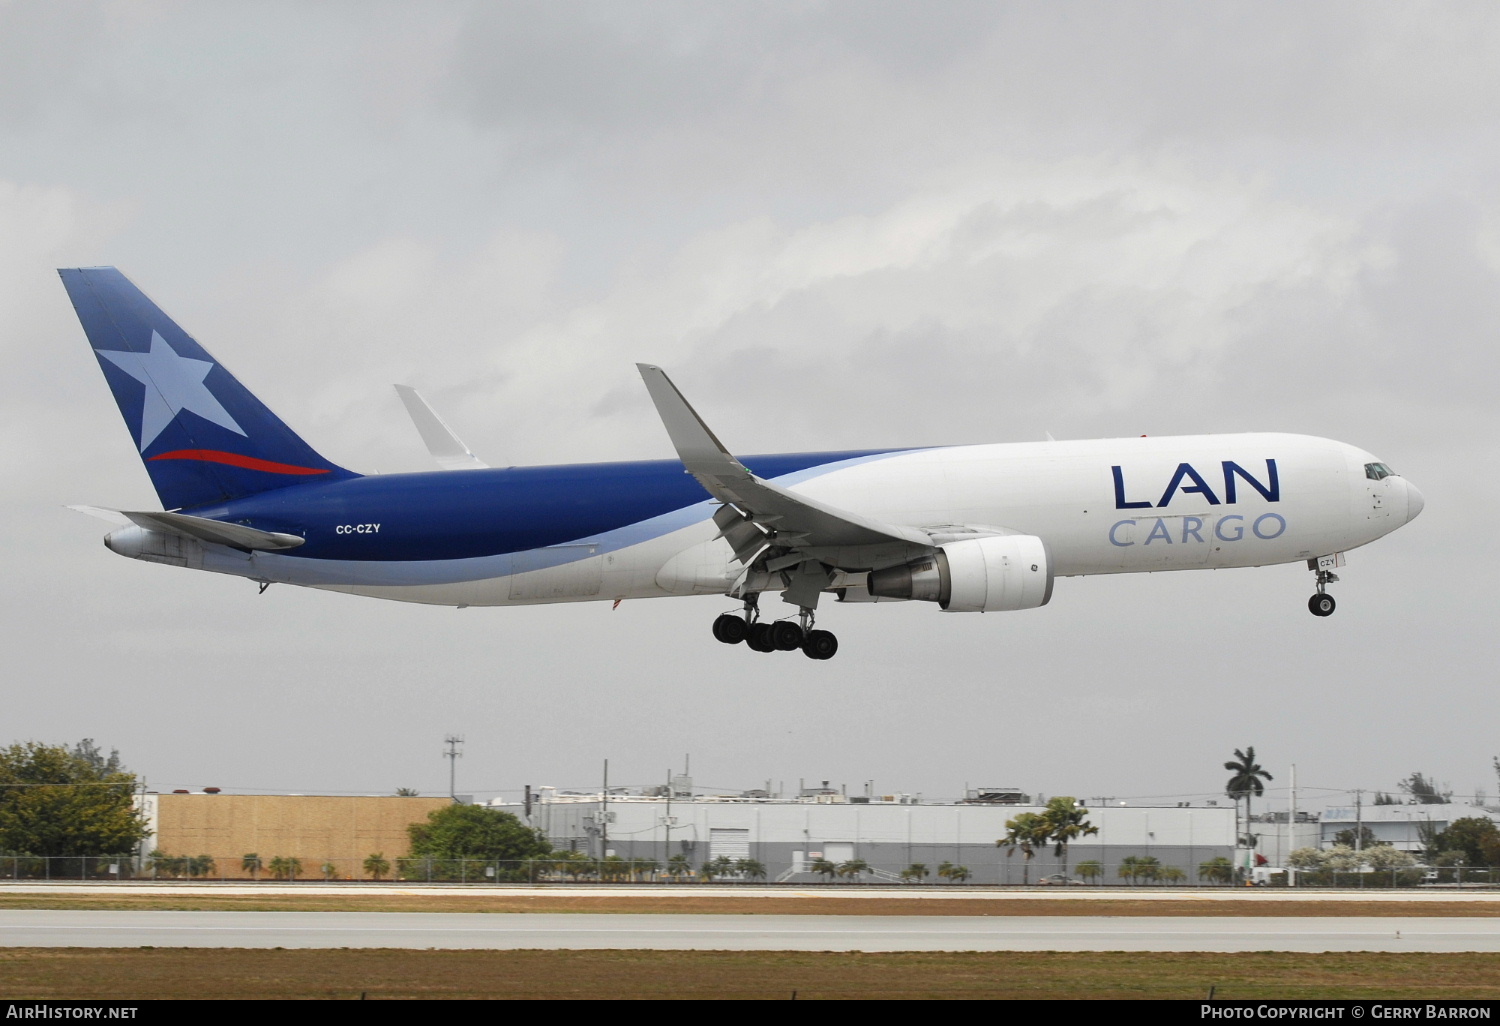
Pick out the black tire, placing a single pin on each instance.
(759, 638)
(820, 645)
(786, 636)
(1322, 605)
(730, 629)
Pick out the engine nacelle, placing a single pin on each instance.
(975, 575)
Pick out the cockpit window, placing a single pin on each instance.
(1378, 471)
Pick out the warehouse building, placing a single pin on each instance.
(889, 833)
(336, 831)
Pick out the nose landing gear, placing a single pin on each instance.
(1322, 604)
(777, 636)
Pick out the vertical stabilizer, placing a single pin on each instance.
(203, 436)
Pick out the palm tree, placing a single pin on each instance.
(956, 874)
(329, 870)
(750, 869)
(377, 865)
(678, 867)
(1066, 821)
(851, 869)
(1090, 870)
(721, 866)
(1026, 833)
(1140, 867)
(1246, 781)
(252, 864)
(1172, 875)
(1217, 870)
(824, 868)
(916, 871)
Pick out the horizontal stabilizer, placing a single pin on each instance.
(114, 516)
(445, 446)
(215, 531)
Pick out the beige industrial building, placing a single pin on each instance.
(337, 830)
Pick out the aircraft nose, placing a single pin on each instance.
(1414, 502)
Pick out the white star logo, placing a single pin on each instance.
(173, 383)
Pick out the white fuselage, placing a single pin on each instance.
(1093, 518)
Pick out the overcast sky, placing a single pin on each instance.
(837, 225)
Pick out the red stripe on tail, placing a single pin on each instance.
(236, 460)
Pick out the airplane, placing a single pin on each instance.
(969, 528)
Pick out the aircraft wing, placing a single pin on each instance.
(237, 535)
(768, 525)
(446, 447)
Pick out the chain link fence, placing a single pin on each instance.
(575, 868)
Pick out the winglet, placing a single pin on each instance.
(698, 447)
(445, 446)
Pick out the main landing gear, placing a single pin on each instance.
(776, 636)
(1322, 604)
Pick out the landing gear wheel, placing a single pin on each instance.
(1322, 605)
(759, 638)
(786, 636)
(820, 645)
(730, 629)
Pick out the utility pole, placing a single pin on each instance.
(1291, 837)
(667, 821)
(1359, 833)
(604, 816)
(452, 754)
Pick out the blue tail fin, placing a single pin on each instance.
(203, 436)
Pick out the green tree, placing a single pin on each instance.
(1246, 782)
(824, 868)
(1027, 832)
(750, 869)
(714, 868)
(1090, 870)
(1475, 836)
(252, 864)
(1218, 870)
(377, 865)
(56, 800)
(614, 869)
(1066, 821)
(200, 866)
(1365, 836)
(916, 871)
(851, 869)
(678, 867)
(1171, 874)
(476, 832)
(1136, 868)
(285, 868)
(1424, 791)
(953, 873)
(329, 870)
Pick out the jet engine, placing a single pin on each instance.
(976, 575)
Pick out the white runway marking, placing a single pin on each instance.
(48, 928)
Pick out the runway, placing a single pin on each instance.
(1478, 897)
(52, 928)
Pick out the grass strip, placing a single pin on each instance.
(347, 974)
